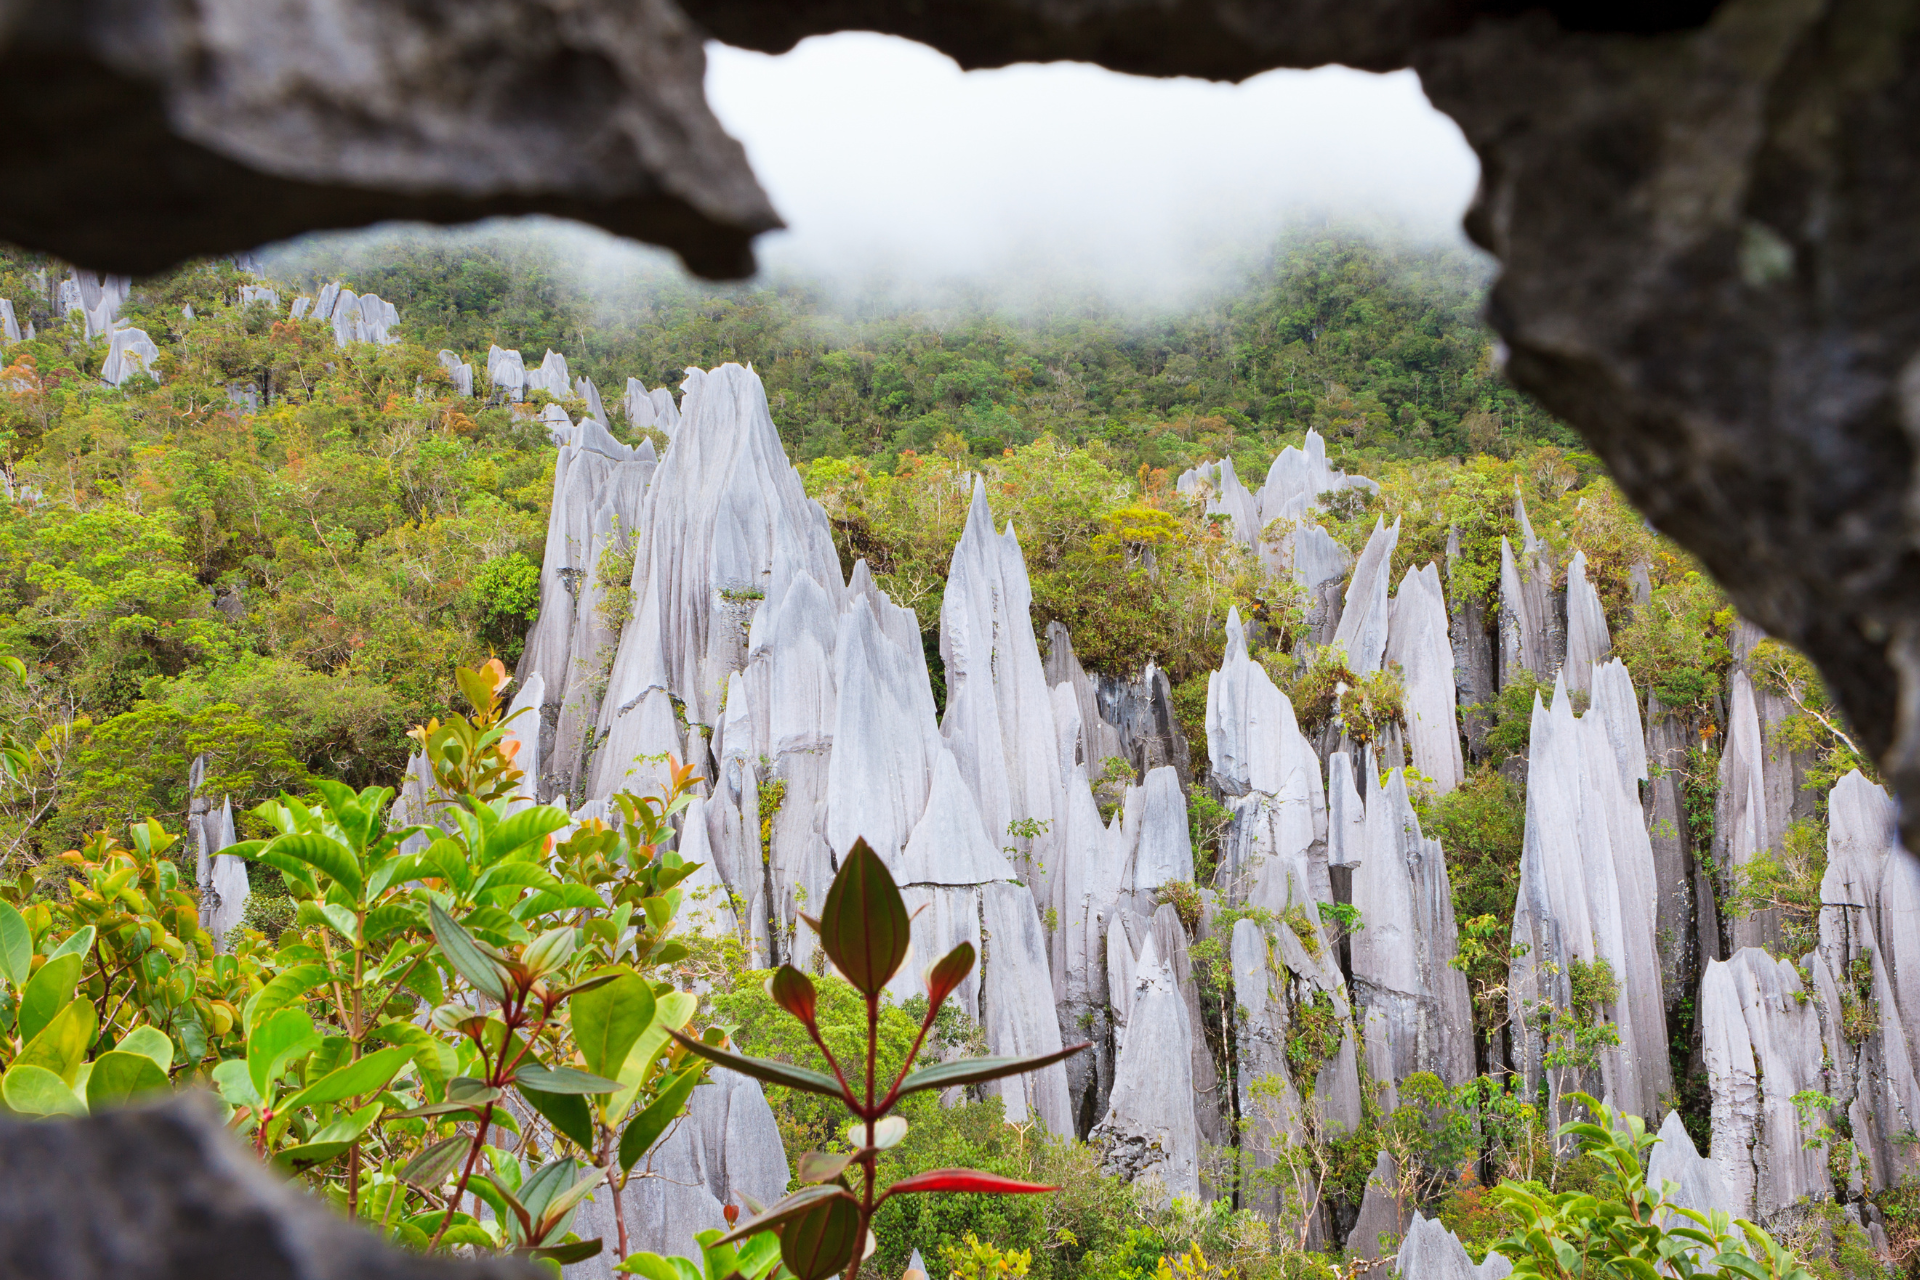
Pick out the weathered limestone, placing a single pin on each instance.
(252, 293)
(726, 1147)
(1683, 938)
(220, 877)
(130, 352)
(97, 298)
(1149, 1130)
(1761, 1040)
(651, 408)
(506, 373)
(1587, 897)
(551, 377)
(1376, 1232)
(1743, 821)
(1417, 643)
(1363, 619)
(1298, 478)
(1429, 1251)
(459, 371)
(1417, 1013)
(1698, 1183)
(1588, 642)
(1473, 662)
(584, 389)
(9, 323)
(1130, 719)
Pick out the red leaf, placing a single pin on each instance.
(863, 926)
(991, 1184)
(947, 973)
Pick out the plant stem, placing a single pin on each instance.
(460, 1187)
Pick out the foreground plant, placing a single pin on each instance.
(825, 1227)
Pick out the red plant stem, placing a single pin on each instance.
(460, 1188)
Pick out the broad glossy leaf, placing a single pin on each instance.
(947, 1075)
(672, 1012)
(465, 955)
(149, 1042)
(562, 1080)
(288, 986)
(282, 1039)
(645, 1129)
(793, 991)
(608, 1019)
(654, 1267)
(515, 874)
(554, 1216)
(786, 1210)
(391, 918)
(355, 1079)
(47, 993)
(763, 1069)
(326, 855)
(118, 1075)
(973, 1180)
(78, 943)
(235, 1084)
(16, 946)
(433, 1059)
(62, 1044)
(529, 826)
(36, 1091)
(568, 1113)
(947, 973)
(820, 1242)
(888, 1132)
(330, 1143)
(864, 927)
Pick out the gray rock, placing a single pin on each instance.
(1761, 1041)
(1587, 895)
(506, 371)
(1164, 851)
(1376, 1231)
(1417, 643)
(1743, 820)
(228, 878)
(1149, 1133)
(1363, 620)
(1588, 642)
(1346, 814)
(459, 371)
(251, 293)
(1418, 1015)
(1431, 1252)
(165, 1192)
(584, 389)
(551, 377)
(1683, 939)
(1016, 1008)
(1235, 501)
(1473, 664)
(1697, 1181)
(726, 1146)
(1129, 718)
(130, 352)
(9, 324)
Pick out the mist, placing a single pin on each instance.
(906, 182)
(894, 168)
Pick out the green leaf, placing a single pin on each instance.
(465, 955)
(566, 1112)
(47, 993)
(330, 1143)
(16, 946)
(330, 856)
(433, 1058)
(764, 1069)
(568, 1254)
(515, 874)
(437, 1163)
(369, 1075)
(864, 927)
(552, 1217)
(287, 987)
(946, 1075)
(282, 1039)
(36, 1091)
(78, 943)
(149, 1042)
(235, 1084)
(118, 1075)
(62, 1044)
(529, 826)
(562, 1080)
(789, 1208)
(645, 1129)
(609, 1019)
(392, 918)
(654, 1267)
(820, 1242)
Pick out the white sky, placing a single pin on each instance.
(885, 158)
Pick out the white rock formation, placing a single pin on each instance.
(9, 324)
(459, 371)
(551, 377)
(584, 389)
(1429, 1251)
(1363, 620)
(1587, 896)
(1417, 1015)
(130, 352)
(97, 298)
(1697, 1181)
(1760, 1037)
(1743, 821)
(506, 372)
(252, 293)
(1417, 643)
(1588, 642)
(651, 408)
(1149, 1129)
(1376, 1231)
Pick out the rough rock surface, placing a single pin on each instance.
(1588, 642)
(1698, 1183)
(458, 371)
(1429, 1251)
(1473, 660)
(1417, 1012)
(129, 352)
(1378, 1227)
(1363, 618)
(1149, 1130)
(726, 1147)
(1132, 719)
(164, 1192)
(1417, 643)
(1587, 896)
